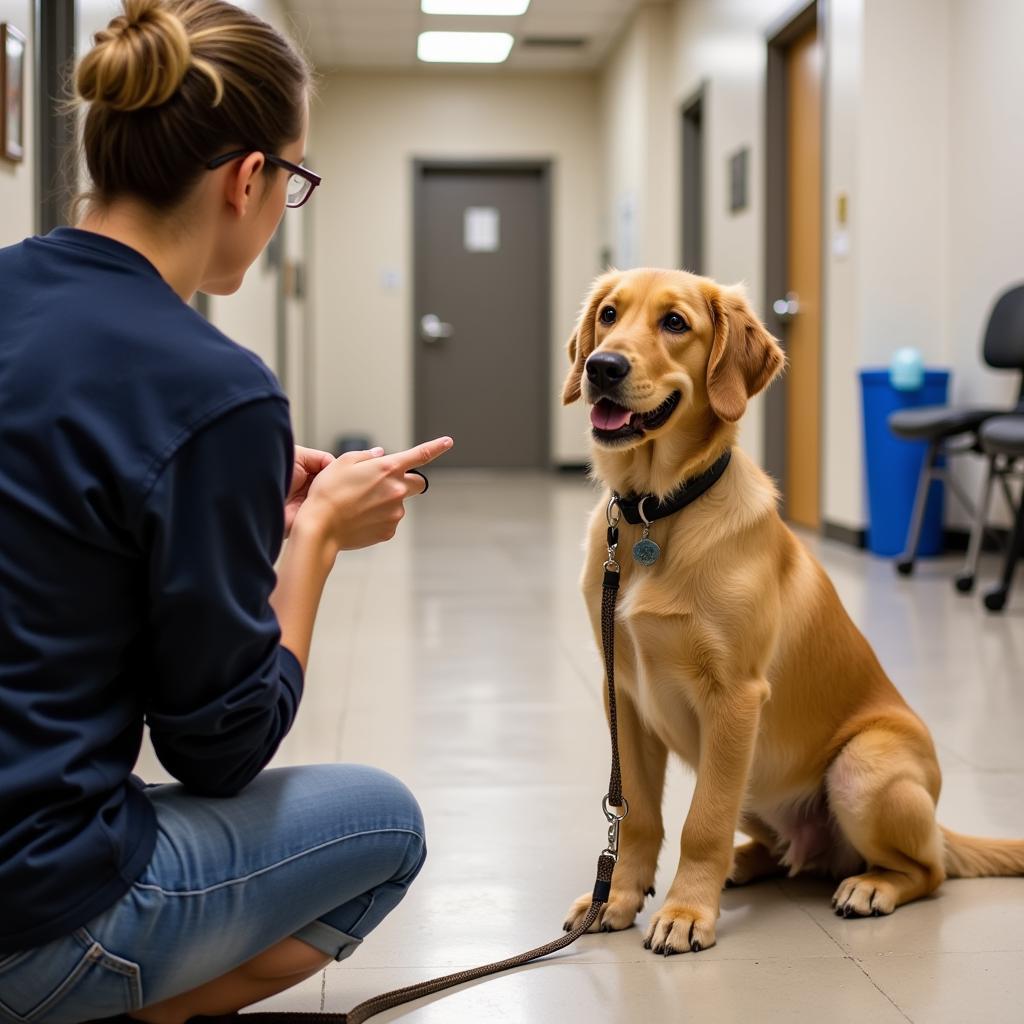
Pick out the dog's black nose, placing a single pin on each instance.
(607, 369)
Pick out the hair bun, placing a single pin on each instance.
(139, 60)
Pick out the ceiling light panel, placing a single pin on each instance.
(497, 8)
(464, 47)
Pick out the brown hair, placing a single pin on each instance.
(172, 83)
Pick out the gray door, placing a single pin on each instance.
(693, 183)
(481, 315)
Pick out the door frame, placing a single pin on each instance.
(421, 167)
(55, 24)
(694, 178)
(788, 27)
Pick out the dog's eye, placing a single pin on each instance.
(608, 315)
(675, 323)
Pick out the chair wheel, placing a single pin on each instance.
(965, 584)
(995, 600)
(905, 566)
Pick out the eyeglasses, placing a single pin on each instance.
(301, 180)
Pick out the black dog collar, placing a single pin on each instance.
(689, 492)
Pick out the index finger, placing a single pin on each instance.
(421, 454)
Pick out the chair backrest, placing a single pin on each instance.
(1004, 336)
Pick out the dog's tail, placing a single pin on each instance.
(975, 857)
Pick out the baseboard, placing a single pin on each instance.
(994, 539)
(572, 467)
(845, 534)
(953, 539)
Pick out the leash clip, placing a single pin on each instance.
(612, 514)
(614, 824)
(613, 840)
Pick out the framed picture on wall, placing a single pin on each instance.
(12, 93)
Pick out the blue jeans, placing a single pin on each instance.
(322, 853)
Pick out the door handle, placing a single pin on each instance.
(434, 329)
(787, 308)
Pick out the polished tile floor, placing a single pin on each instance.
(459, 657)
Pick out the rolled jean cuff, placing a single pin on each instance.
(330, 941)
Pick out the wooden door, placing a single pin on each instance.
(803, 334)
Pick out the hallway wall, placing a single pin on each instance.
(367, 130)
(986, 191)
(17, 181)
(668, 51)
(924, 138)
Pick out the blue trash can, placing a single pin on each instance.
(893, 465)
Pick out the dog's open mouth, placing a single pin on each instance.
(612, 422)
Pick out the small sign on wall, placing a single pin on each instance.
(625, 231)
(738, 167)
(482, 228)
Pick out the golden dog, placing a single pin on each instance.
(733, 650)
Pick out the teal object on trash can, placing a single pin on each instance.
(906, 369)
(894, 465)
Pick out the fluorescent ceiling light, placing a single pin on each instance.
(502, 8)
(464, 47)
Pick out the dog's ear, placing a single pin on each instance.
(581, 344)
(744, 356)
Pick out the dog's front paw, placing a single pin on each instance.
(616, 915)
(682, 928)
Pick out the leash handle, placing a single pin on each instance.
(605, 863)
(389, 1000)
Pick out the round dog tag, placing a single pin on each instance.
(646, 552)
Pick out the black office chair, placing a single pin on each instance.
(1002, 437)
(952, 431)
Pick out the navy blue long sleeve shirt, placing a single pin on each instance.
(144, 463)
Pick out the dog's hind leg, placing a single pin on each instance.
(755, 861)
(882, 790)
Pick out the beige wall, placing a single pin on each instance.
(904, 182)
(640, 162)
(986, 177)
(721, 45)
(842, 481)
(986, 193)
(924, 137)
(887, 140)
(17, 181)
(667, 53)
(367, 130)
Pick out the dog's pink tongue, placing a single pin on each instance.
(609, 416)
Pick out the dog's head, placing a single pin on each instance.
(655, 348)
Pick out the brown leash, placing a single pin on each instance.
(605, 863)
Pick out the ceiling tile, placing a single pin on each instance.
(382, 33)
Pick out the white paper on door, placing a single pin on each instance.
(482, 229)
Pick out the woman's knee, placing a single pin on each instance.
(405, 811)
(364, 795)
(392, 799)
(384, 805)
